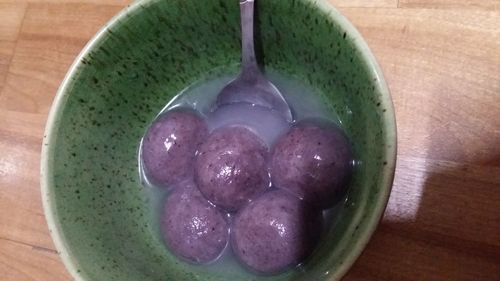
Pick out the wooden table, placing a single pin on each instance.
(442, 62)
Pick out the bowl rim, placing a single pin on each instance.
(60, 99)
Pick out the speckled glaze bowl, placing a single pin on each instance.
(97, 211)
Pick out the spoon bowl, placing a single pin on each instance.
(251, 86)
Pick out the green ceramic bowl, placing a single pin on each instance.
(97, 211)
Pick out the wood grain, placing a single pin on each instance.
(447, 231)
(50, 38)
(451, 4)
(365, 3)
(20, 262)
(26, 249)
(442, 62)
(443, 69)
(20, 138)
(12, 16)
(98, 2)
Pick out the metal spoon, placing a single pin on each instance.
(251, 86)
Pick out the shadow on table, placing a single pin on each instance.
(448, 228)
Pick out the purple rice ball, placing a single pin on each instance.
(231, 167)
(275, 232)
(169, 146)
(193, 229)
(313, 161)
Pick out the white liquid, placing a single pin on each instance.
(268, 125)
(301, 98)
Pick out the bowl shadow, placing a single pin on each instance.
(442, 223)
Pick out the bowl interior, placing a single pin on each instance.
(99, 215)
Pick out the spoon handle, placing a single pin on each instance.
(248, 60)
